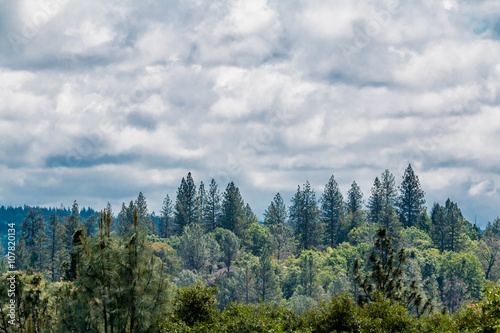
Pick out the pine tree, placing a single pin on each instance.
(202, 202)
(304, 216)
(144, 220)
(439, 227)
(456, 226)
(389, 189)
(411, 198)
(90, 225)
(73, 223)
(332, 211)
(166, 218)
(125, 220)
(212, 211)
(186, 207)
(276, 212)
(309, 269)
(195, 248)
(386, 277)
(275, 219)
(266, 281)
(32, 232)
(354, 198)
(55, 235)
(233, 210)
(376, 202)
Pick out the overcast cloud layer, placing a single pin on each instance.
(102, 99)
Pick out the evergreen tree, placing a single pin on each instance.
(332, 211)
(90, 225)
(309, 269)
(455, 225)
(376, 202)
(117, 287)
(489, 249)
(390, 221)
(166, 218)
(266, 281)
(354, 198)
(389, 190)
(304, 217)
(144, 220)
(411, 198)
(386, 277)
(283, 240)
(73, 223)
(212, 211)
(195, 248)
(32, 232)
(202, 202)
(55, 235)
(276, 212)
(439, 233)
(233, 210)
(229, 245)
(186, 207)
(125, 220)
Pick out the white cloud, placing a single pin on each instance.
(131, 96)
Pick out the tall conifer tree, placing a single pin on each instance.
(186, 207)
(411, 198)
(304, 216)
(212, 211)
(376, 202)
(332, 211)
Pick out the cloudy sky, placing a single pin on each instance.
(102, 99)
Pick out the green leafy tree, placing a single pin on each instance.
(332, 211)
(411, 198)
(489, 250)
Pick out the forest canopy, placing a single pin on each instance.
(322, 262)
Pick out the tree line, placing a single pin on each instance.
(299, 256)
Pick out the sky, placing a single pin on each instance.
(100, 100)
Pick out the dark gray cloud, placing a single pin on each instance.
(99, 101)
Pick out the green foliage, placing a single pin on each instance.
(186, 207)
(354, 198)
(411, 198)
(332, 212)
(304, 217)
(386, 277)
(233, 211)
(195, 304)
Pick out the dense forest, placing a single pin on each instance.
(333, 263)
